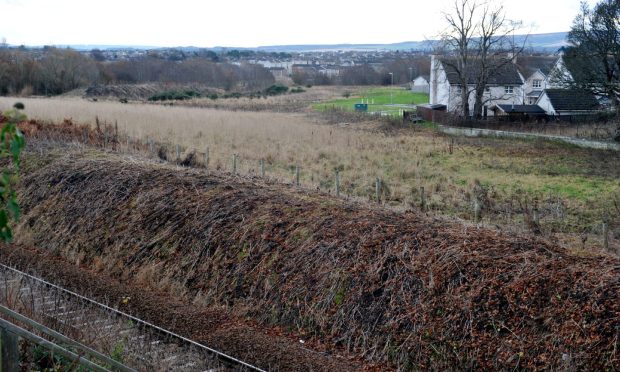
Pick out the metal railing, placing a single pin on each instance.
(231, 361)
(62, 350)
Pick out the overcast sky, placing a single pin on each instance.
(249, 23)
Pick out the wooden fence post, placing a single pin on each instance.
(477, 210)
(378, 189)
(178, 152)
(207, 159)
(297, 175)
(262, 167)
(116, 143)
(422, 199)
(605, 235)
(337, 183)
(234, 168)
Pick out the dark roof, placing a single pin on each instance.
(572, 100)
(504, 75)
(436, 106)
(528, 65)
(521, 109)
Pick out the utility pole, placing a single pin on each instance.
(391, 88)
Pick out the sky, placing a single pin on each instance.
(254, 23)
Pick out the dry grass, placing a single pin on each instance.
(571, 189)
(603, 130)
(293, 102)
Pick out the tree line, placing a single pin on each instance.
(403, 70)
(53, 71)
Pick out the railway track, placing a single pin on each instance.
(137, 343)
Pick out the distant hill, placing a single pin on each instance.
(546, 42)
(541, 42)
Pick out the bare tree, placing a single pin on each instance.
(457, 39)
(478, 45)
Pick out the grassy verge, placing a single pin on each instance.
(378, 99)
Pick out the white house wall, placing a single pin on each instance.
(495, 96)
(559, 75)
(439, 85)
(545, 104)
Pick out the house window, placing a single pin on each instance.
(537, 84)
(509, 89)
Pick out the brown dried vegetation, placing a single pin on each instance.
(403, 289)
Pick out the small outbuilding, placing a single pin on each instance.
(520, 112)
(430, 112)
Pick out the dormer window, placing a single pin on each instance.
(537, 84)
(509, 89)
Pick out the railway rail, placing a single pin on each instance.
(137, 343)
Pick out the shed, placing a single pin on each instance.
(431, 112)
(361, 107)
(520, 112)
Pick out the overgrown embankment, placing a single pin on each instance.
(418, 292)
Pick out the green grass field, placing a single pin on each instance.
(378, 99)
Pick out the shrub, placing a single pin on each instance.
(11, 144)
(233, 95)
(276, 89)
(176, 95)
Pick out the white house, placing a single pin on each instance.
(506, 86)
(537, 71)
(508, 93)
(421, 84)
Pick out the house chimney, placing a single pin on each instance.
(512, 57)
(433, 82)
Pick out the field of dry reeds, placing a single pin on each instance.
(536, 186)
